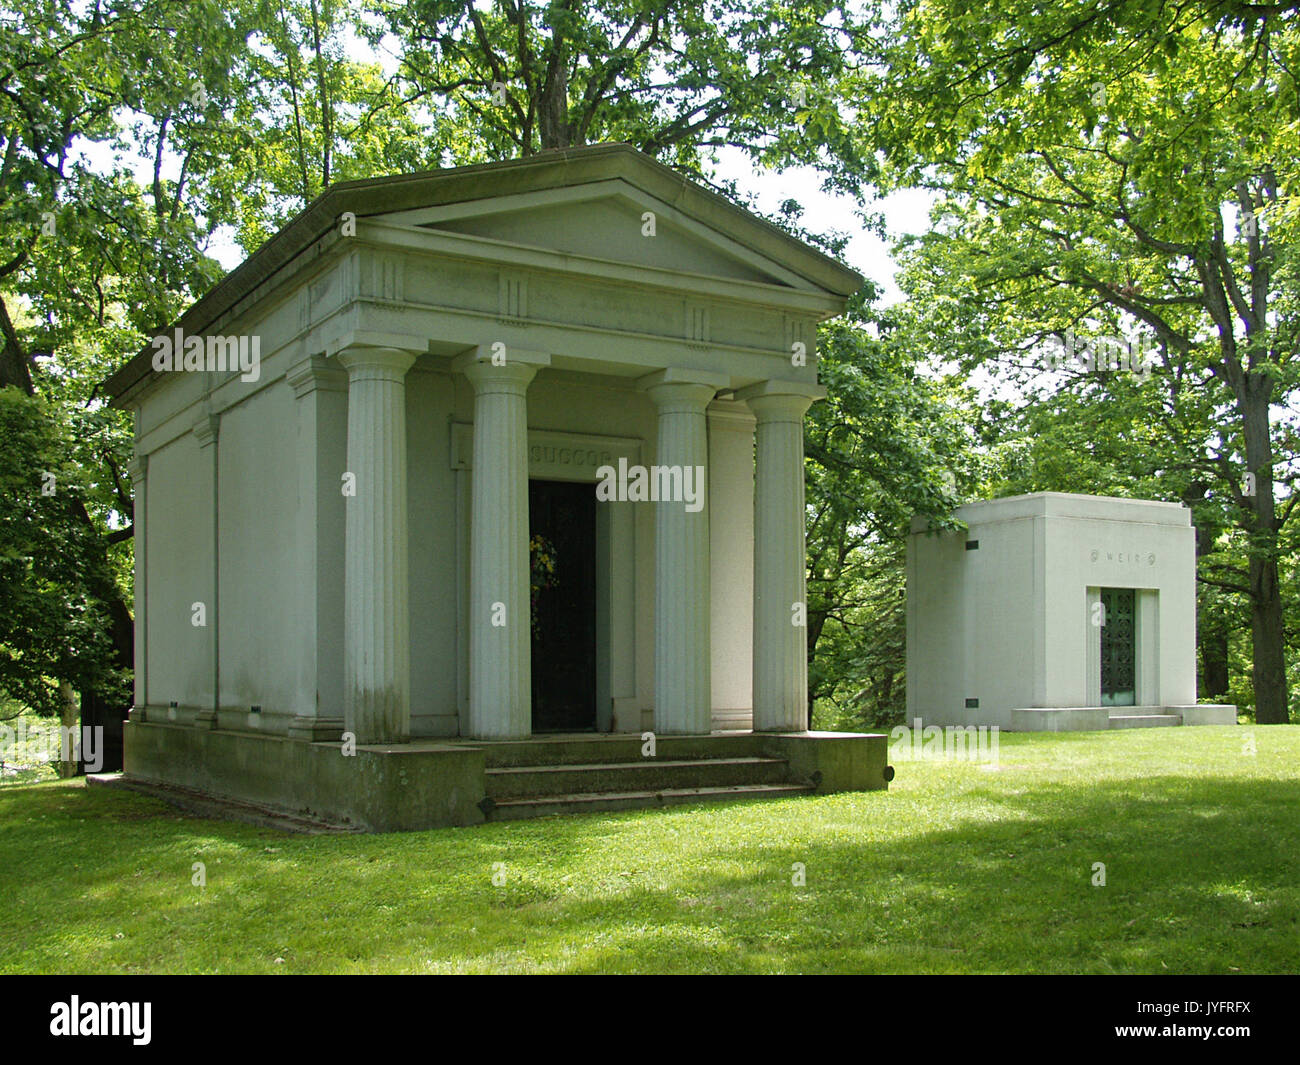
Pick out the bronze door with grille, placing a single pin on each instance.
(1118, 647)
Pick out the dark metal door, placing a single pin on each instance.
(1118, 647)
(562, 527)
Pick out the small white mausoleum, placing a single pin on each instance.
(1055, 612)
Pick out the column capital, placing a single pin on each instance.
(675, 390)
(376, 364)
(781, 401)
(499, 354)
(207, 428)
(677, 375)
(510, 379)
(731, 415)
(315, 372)
(138, 468)
(499, 367)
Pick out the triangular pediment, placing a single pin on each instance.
(586, 204)
(609, 221)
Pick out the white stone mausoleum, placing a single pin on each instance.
(1055, 612)
(336, 537)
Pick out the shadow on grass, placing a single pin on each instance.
(1200, 876)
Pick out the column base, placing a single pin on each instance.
(316, 729)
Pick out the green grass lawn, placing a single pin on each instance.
(957, 868)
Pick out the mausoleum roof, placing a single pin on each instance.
(551, 170)
(1066, 505)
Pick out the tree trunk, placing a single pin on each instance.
(816, 620)
(1266, 618)
(553, 101)
(1269, 658)
(68, 720)
(108, 718)
(1212, 627)
(1214, 662)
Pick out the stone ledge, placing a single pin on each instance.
(1206, 714)
(402, 787)
(219, 807)
(833, 761)
(1100, 718)
(1060, 719)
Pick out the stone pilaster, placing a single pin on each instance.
(320, 390)
(376, 662)
(780, 604)
(500, 630)
(207, 431)
(683, 696)
(139, 470)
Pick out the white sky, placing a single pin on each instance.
(905, 212)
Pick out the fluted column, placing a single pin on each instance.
(780, 605)
(683, 693)
(377, 653)
(500, 631)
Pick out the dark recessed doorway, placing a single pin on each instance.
(1118, 647)
(562, 528)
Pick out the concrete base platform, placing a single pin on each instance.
(1060, 719)
(1097, 718)
(420, 785)
(1144, 721)
(378, 789)
(202, 804)
(1206, 714)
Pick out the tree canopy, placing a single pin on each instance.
(1109, 176)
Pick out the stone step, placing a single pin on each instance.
(512, 782)
(1144, 720)
(605, 748)
(554, 805)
